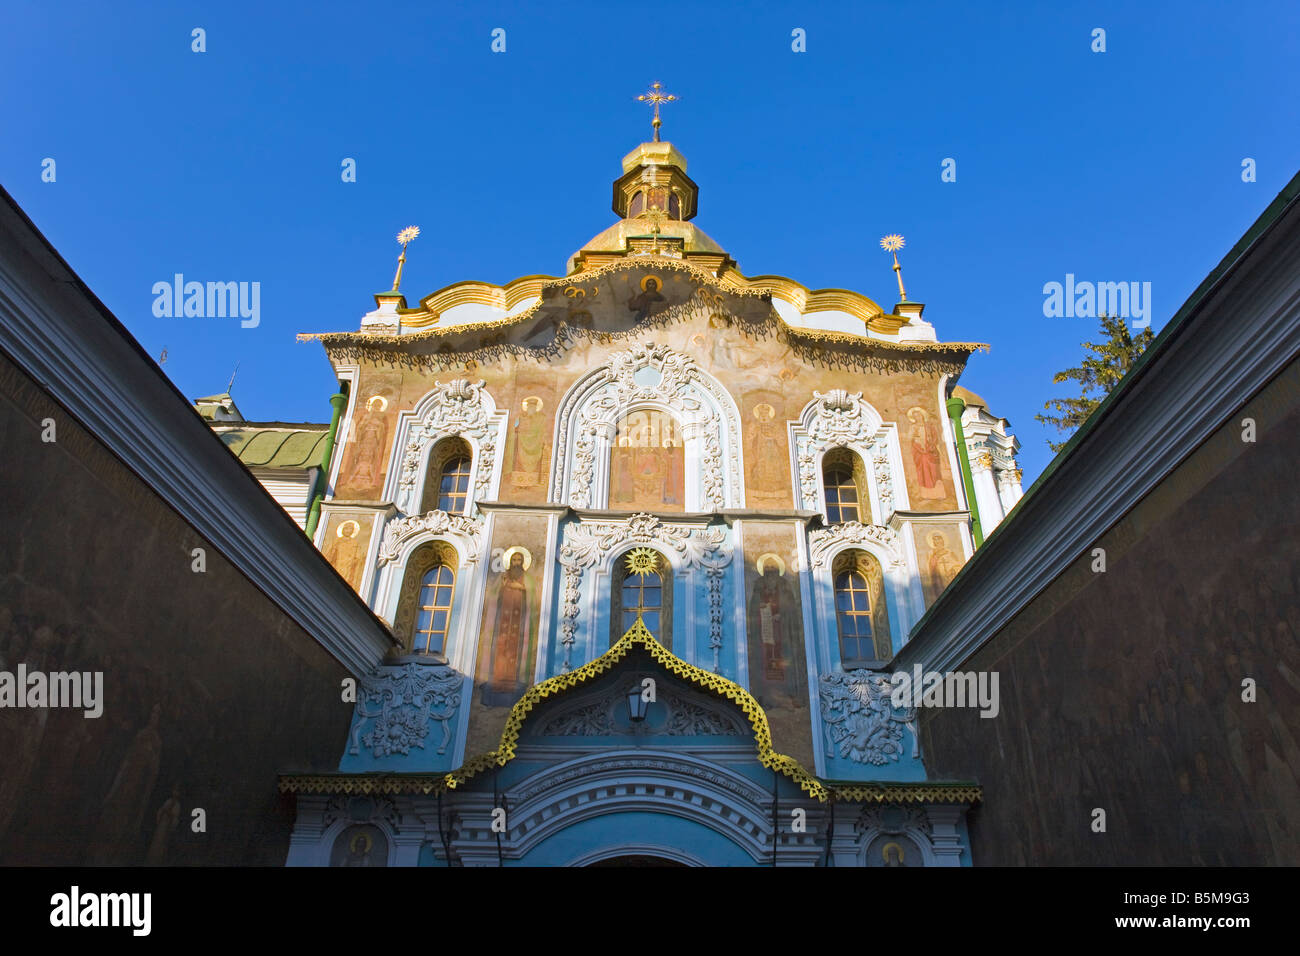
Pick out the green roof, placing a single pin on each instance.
(300, 446)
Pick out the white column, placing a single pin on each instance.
(604, 443)
(986, 492)
(692, 439)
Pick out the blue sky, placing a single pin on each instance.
(225, 165)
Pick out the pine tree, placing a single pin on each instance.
(1100, 372)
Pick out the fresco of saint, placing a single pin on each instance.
(773, 631)
(529, 444)
(923, 435)
(506, 669)
(648, 464)
(649, 301)
(766, 455)
(941, 566)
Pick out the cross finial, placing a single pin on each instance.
(656, 95)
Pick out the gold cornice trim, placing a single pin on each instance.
(474, 292)
(731, 282)
(812, 300)
(907, 793)
(427, 784)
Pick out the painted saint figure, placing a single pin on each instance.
(529, 444)
(371, 434)
(649, 301)
(768, 457)
(773, 628)
(924, 437)
(942, 565)
(507, 669)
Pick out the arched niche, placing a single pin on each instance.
(643, 378)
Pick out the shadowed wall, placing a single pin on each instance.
(209, 689)
(1123, 690)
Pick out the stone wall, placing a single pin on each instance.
(209, 690)
(1123, 690)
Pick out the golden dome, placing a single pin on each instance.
(654, 199)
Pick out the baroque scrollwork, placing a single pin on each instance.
(400, 702)
(456, 408)
(400, 530)
(361, 809)
(840, 418)
(860, 721)
(685, 718)
(893, 820)
(884, 476)
(654, 374)
(586, 543)
(823, 542)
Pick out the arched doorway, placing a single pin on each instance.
(637, 860)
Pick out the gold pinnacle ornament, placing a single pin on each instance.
(892, 243)
(643, 561)
(656, 95)
(404, 237)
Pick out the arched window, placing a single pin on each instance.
(433, 611)
(650, 595)
(638, 203)
(453, 485)
(844, 481)
(423, 619)
(446, 487)
(861, 617)
(674, 207)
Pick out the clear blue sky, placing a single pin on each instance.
(225, 165)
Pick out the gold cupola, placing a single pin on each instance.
(654, 176)
(655, 201)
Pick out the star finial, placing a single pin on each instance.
(657, 96)
(404, 237)
(892, 243)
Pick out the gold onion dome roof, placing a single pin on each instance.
(654, 199)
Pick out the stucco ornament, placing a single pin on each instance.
(585, 543)
(401, 530)
(823, 543)
(685, 717)
(401, 702)
(459, 408)
(841, 419)
(655, 375)
(859, 719)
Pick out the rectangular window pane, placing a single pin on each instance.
(651, 619)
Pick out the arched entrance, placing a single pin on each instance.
(637, 860)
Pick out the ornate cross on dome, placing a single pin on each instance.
(656, 95)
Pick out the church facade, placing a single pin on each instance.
(648, 537)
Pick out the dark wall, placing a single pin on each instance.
(209, 689)
(1123, 690)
